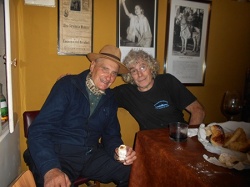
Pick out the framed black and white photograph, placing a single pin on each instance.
(75, 27)
(136, 28)
(187, 41)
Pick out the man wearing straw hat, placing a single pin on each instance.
(77, 132)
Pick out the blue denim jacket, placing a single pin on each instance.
(64, 122)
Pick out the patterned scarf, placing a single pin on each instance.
(91, 86)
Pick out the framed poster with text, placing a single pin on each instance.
(75, 27)
(187, 37)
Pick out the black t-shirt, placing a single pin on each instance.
(155, 108)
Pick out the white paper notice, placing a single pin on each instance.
(50, 3)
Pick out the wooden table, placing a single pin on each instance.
(161, 162)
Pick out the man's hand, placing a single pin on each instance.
(55, 177)
(130, 156)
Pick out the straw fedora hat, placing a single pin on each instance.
(112, 53)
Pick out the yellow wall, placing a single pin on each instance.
(39, 66)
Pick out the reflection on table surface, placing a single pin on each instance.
(163, 162)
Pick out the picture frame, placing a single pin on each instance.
(75, 27)
(187, 41)
(137, 32)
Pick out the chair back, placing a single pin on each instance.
(25, 179)
(28, 117)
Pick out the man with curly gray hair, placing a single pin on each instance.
(153, 99)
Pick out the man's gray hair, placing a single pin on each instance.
(133, 57)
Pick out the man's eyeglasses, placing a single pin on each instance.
(141, 69)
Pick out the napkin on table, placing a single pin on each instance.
(192, 132)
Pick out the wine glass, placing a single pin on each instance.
(232, 104)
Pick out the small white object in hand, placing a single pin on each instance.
(122, 151)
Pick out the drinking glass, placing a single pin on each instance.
(232, 104)
(178, 131)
